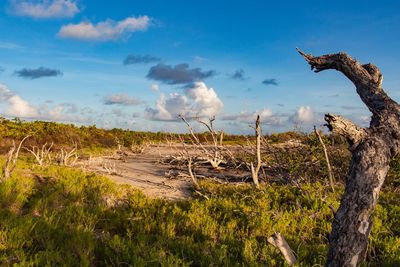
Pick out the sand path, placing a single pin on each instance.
(144, 171)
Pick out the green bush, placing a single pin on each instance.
(60, 216)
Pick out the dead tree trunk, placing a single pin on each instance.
(255, 170)
(372, 149)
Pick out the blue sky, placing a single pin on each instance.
(64, 61)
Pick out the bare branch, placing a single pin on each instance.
(111, 168)
(41, 155)
(214, 155)
(12, 157)
(367, 78)
(255, 170)
(68, 157)
(191, 174)
(330, 174)
(344, 127)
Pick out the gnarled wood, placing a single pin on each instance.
(346, 128)
(371, 149)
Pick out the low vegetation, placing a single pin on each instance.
(60, 216)
(89, 138)
(53, 214)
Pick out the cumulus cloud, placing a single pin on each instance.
(121, 99)
(136, 59)
(270, 82)
(104, 31)
(178, 74)
(38, 73)
(206, 102)
(197, 101)
(238, 75)
(15, 105)
(266, 117)
(45, 9)
(304, 114)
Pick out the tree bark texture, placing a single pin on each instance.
(372, 149)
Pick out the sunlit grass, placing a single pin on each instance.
(61, 216)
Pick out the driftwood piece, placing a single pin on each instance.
(372, 149)
(279, 242)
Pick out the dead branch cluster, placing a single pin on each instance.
(42, 155)
(258, 160)
(12, 157)
(212, 156)
(111, 168)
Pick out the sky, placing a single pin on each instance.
(139, 64)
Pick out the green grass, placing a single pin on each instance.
(64, 217)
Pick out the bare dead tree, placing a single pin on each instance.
(12, 157)
(330, 174)
(255, 170)
(372, 149)
(214, 156)
(68, 157)
(41, 154)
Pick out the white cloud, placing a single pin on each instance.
(304, 114)
(206, 102)
(104, 31)
(155, 87)
(18, 107)
(266, 117)
(44, 9)
(197, 101)
(15, 105)
(66, 112)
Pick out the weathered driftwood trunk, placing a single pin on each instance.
(371, 148)
(255, 170)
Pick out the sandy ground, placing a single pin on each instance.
(145, 171)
